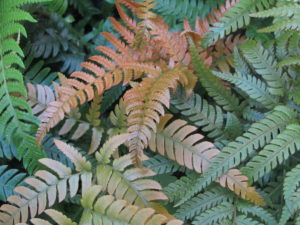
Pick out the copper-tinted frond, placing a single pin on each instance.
(178, 141)
(144, 105)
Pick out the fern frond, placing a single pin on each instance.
(162, 165)
(291, 183)
(213, 85)
(17, 120)
(132, 185)
(9, 179)
(238, 183)
(56, 216)
(39, 96)
(235, 18)
(118, 118)
(200, 203)
(7, 151)
(258, 135)
(265, 65)
(177, 142)
(144, 105)
(244, 220)
(290, 61)
(42, 192)
(83, 87)
(215, 215)
(201, 114)
(108, 148)
(257, 211)
(253, 86)
(107, 210)
(273, 154)
(58, 6)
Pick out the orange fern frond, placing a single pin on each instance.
(238, 183)
(144, 105)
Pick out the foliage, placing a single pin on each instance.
(178, 112)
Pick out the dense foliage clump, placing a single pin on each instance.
(149, 112)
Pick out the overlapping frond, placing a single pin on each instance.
(236, 17)
(178, 142)
(39, 96)
(45, 188)
(253, 86)
(107, 210)
(213, 85)
(144, 105)
(209, 117)
(130, 184)
(288, 12)
(265, 65)
(202, 202)
(83, 87)
(274, 154)
(258, 135)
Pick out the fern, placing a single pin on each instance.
(43, 189)
(18, 122)
(161, 165)
(7, 151)
(215, 215)
(202, 202)
(213, 86)
(287, 11)
(107, 210)
(210, 118)
(258, 135)
(254, 87)
(9, 179)
(56, 216)
(265, 65)
(236, 17)
(279, 149)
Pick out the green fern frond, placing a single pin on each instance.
(258, 135)
(213, 85)
(18, 122)
(162, 165)
(273, 154)
(111, 96)
(286, 10)
(7, 151)
(202, 114)
(236, 17)
(252, 114)
(254, 87)
(285, 25)
(176, 190)
(265, 65)
(9, 179)
(58, 6)
(215, 215)
(200, 203)
(256, 211)
(290, 61)
(244, 220)
(291, 183)
(177, 10)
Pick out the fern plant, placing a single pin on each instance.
(161, 125)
